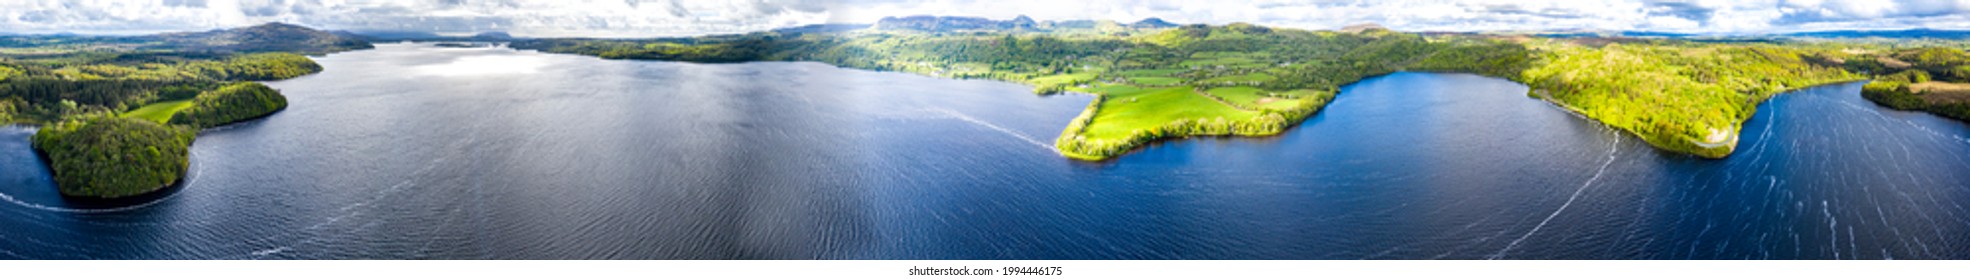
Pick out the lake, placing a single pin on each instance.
(414, 152)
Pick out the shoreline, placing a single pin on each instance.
(47, 163)
(1729, 146)
(1129, 144)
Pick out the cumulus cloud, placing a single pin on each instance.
(607, 18)
(643, 18)
(1819, 11)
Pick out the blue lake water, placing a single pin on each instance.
(411, 151)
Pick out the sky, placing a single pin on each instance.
(654, 18)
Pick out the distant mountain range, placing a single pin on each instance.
(822, 28)
(387, 35)
(1904, 33)
(393, 35)
(928, 23)
(1571, 33)
(941, 23)
(1918, 33)
(953, 24)
(1152, 23)
(277, 36)
(260, 38)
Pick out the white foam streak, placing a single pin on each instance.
(1613, 150)
(948, 113)
(193, 176)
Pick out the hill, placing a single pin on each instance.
(1152, 23)
(822, 28)
(269, 37)
(107, 157)
(387, 35)
(954, 24)
(949, 23)
(1689, 96)
(1903, 34)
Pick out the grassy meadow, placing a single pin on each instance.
(159, 112)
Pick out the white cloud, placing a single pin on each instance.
(522, 17)
(642, 18)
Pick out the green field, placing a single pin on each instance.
(1679, 95)
(159, 112)
(1246, 79)
(1227, 59)
(112, 110)
(1152, 72)
(1056, 83)
(1937, 81)
(1299, 93)
(1128, 110)
(1255, 98)
(1155, 81)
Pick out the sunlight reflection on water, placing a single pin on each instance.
(479, 65)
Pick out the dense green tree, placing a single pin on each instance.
(74, 86)
(109, 157)
(229, 104)
(1680, 95)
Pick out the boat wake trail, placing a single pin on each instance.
(277, 250)
(306, 235)
(948, 113)
(1613, 149)
(189, 178)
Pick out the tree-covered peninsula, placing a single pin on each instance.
(1681, 96)
(1932, 79)
(112, 157)
(230, 104)
(1153, 80)
(118, 114)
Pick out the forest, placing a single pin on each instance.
(102, 156)
(1159, 82)
(1932, 79)
(1162, 82)
(45, 89)
(230, 104)
(117, 114)
(1682, 96)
